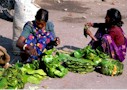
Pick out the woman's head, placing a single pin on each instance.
(41, 17)
(113, 17)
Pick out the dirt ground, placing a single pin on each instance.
(69, 17)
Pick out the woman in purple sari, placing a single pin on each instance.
(109, 36)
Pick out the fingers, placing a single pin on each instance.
(57, 40)
(89, 24)
(7, 65)
(32, 51)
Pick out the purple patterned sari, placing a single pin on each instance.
(108, 45)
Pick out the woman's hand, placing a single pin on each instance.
(89, 24)
(57, 40)
(7, 65)
(31, 51)
(88, 32)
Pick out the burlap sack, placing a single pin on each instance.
(25, 10)
(4, 56)
(1, 57)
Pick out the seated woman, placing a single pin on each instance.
(37, 36)
(110, 35)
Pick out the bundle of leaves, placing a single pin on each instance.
(53, 65)
(89, 54)
(11, 79)
(111, 67)
(19, 74)
(102, 62)
(79, 65)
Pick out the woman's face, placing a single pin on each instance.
(41, 24)
(107, 19)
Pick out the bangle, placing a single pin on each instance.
(7, 63)
(24, 46)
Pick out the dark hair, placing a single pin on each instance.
(115, 17)
(42, 14)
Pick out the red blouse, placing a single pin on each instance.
(117, 35)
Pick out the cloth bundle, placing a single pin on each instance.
(4, 58)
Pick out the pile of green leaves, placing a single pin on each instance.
(89, 54)
(111, 67)
(57, 64)
(79, 65)
(94, 59)
(11, 78)
(53, 64)
(32, 75)
(19, 74)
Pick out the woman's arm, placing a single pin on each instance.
(91, 35)
(27, 30)
(50, 27)
(100, 25)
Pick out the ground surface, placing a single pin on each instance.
(69, 17)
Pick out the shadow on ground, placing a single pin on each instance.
(3, 16)
(7, 43)
(68, 47)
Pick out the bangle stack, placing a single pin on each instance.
(24, 46)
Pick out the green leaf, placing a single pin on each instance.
(13, 82)
(25, 77)
(63, 57)
(33, 80)
(30, 71)
(49, 52)
(3, 83)
(1, 71)
(50, 72)
(97, 60)
(58, 73)
(78, 53)
(47, 58)
(40, 72)
(91, 56)
(38, 76)
(27, 66)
